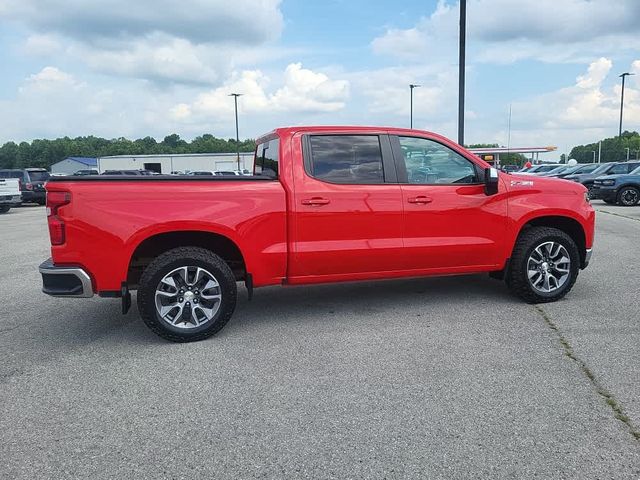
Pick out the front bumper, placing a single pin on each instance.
(600, 192)
(67, 281)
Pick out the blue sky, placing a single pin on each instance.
(115, 68)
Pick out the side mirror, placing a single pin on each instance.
(491, 179)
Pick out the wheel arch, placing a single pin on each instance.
(153, 245)
(568, 225)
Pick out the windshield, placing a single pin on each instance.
(600, 169)
(558, 170)
(635, 171)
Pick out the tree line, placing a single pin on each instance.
(44, 153)
(614, 149)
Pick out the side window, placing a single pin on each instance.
(430, 162)
(346, 159)
(617, 169)
(266, 158)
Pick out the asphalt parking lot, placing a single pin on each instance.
(429, 378)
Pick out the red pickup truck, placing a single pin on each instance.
(325, 204)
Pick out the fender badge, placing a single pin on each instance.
(521, 183)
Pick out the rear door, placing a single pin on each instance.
(348, 208)
(449, 223)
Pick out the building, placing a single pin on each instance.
(183, 162)
(71, 165)
(492, 154)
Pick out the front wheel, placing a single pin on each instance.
(544, 265)
(629, 196)
(187, 294)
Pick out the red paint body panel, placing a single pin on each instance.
(357, 232)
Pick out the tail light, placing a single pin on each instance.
(55, 200)
(20, 184)
(29, 186)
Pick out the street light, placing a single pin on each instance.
(411, 87)
(623, 76)
(627, 149)
(461, 70)
(235, 101)
(594, 156)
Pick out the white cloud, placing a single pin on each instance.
(194, 41)
(504, 31)
(581, 113)
(303, 91)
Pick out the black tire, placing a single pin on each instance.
(629, 196)
(179, 257)
(517, 277)
(4, 209)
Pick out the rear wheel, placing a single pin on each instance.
(629, 196)
(187, 294)
(544, 265)
(4, 209)
(589, 190)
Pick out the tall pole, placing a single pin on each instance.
(461, 70)
(623, 76)
(627, 153)
(594, 156)
(235, 101)
(599, 151)
(411, 87)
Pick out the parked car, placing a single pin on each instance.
(326, 204)
(202, 173)
(226, 173)
(89, 171)
(580, 168)
(128, 172)
(537, 169)
(510, 168)
(620, 189)
(31, 181)
(612, 168)
(10, 195)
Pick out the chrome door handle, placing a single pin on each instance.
(316, 201)
(420, 199)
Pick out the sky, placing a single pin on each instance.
(116, 68)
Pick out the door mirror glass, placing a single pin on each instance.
(491, 179)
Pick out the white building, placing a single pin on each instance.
(183, 162)
(71, 165)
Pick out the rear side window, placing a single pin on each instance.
(10, 174)
(267, 157)
(38, 176)
(346, 159)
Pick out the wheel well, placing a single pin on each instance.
(153, 246)
(568, 225)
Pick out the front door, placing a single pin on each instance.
(449, 223)
(348, 214)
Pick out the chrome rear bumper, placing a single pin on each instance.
(72, 282)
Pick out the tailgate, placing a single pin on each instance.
(9, 186)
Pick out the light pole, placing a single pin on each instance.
(627, 149)
(461, 70)
(235, 101)
(411, 87)
(594, 156)
(623, 76)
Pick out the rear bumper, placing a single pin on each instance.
(12, 200)
(34, 196)
(71, 282)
